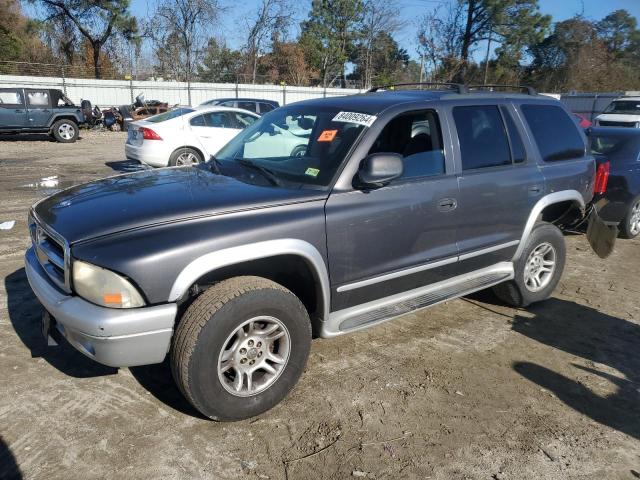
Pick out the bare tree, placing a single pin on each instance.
(440, 41)
(186, 24)
(380, 16)
(273, 17)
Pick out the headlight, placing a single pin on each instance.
(103, 287)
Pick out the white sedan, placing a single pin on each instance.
(185, 135)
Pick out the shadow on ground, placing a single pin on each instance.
(33, 137)
(9, 469)
(126, 166)
(598, 338)
(25, 313)
(157, 380)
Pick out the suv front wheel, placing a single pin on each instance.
(65, 131)
(240, 347)
(538, 270)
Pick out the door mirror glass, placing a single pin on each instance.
(378, 169)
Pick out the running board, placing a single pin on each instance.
(378, 311)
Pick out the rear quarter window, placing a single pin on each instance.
(555, 132)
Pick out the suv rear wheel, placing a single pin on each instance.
(240, 348)
(538, 270)
(65, 131)
(630, 226)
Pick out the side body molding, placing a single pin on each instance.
(254, 251)
(555, 197)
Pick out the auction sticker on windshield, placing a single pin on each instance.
(355, 117)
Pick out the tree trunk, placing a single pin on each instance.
(96, 59)
(466, 42)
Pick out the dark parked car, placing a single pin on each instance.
(400, 200)
(30, 110)
(254, 105)
(617, 151)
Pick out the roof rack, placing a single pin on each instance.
(491, 87)
(452, 86)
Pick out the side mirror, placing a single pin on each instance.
(378, 169)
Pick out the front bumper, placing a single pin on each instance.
(111, 336)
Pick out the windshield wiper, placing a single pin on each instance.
(266, 173)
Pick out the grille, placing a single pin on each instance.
(604, 123)
(52, 252)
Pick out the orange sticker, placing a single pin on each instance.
(327, 135)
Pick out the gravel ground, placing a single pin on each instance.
(469, 389)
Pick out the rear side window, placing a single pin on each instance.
(10, 98)
(218, 120)
(38, 99)
(517, 147)
(251, 106)
(482, 135)
(266, 107)
(555, 133)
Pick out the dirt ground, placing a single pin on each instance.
(470, 389)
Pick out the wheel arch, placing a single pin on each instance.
(192, 147)
(293, 263)
(551, 208)
(57, 118)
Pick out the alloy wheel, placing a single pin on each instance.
(634, 220)
(187, 158)
(66, 131)
(540, 267)
(254, 356)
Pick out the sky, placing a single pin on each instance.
(233, 24)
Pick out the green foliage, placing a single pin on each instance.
(220, 63)
(389, 62)
(329, 35)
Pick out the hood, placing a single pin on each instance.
(618, 117)
(119, 203)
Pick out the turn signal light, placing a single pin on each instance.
(149, 134)
(602, 178)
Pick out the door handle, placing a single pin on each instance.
(19, 111)
(447, 204)
(535, 188)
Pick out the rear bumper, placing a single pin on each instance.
(113, 337)
(154, 156)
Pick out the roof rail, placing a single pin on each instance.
(491, 87)
(452, 86)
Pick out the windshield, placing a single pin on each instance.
(630, 107)
(607, 144)
(298, 144)
(162, 117)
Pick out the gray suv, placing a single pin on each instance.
(30, 110)
(400, 200)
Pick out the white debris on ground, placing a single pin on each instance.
(7, 225)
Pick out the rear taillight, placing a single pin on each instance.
(602, 178)
(149, 134)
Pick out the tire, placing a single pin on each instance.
(630, 226)
(185, 156)
(65, 131)
(207, 333)
(545, 244)
(298, 151)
